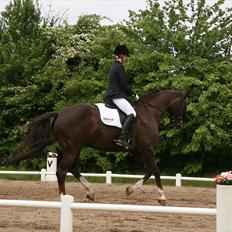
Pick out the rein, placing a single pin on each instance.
(174, 101)
(154, 107)
(157, 108)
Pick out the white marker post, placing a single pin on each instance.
(224, 208)
(66, 215)
(108, 177)
(178, 180)
(51, 166)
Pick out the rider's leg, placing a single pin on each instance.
(126, 107)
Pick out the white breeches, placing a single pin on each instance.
(124, 106)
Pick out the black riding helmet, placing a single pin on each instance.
(121, 50)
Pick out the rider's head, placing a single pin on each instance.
(121, 51)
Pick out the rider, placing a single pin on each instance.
(117, 92)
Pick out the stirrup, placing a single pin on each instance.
(123, 144)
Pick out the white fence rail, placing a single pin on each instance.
(49, 174)
(67, 206)
(108, 175)
(223, 211)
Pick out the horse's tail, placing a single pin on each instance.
(39, 134)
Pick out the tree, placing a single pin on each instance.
(177, 45)
(180, 49)
(24, 52)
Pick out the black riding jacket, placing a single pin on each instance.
(118, 87)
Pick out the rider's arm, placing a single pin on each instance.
(123, 81)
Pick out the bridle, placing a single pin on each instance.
(173, 102)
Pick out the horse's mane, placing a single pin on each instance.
(156, 91)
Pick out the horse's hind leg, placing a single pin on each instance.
(137, 185)
(90, 193)
(68, 158)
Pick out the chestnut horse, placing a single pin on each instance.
(80, 125)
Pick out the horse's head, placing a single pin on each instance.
(177, 109)
(170, 100)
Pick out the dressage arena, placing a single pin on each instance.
(22, 219)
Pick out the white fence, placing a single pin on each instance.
(108, 176)
(223, 211)
(49, 174)
(67, 206)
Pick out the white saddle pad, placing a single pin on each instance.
(109, 116)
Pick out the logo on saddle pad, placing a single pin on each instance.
(110, 116)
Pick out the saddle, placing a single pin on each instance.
(110, 115)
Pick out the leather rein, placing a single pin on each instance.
(157, 108)
(154, 107)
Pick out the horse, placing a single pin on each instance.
(79, 125)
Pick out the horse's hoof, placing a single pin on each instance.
(162, 202)
(91, 196)
(129, 190)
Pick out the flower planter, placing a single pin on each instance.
(224, 208)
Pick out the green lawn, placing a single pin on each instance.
(114, 180)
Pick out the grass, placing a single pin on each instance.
(115, 180)
(20, 177)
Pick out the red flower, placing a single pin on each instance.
(219, 178)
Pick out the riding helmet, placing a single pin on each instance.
(121, 50)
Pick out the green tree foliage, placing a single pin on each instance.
(185, 45)
(45, 67)
(24, 53)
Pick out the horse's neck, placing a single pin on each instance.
(163, 101)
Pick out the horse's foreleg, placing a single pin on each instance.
(162, 198)
(151, 168)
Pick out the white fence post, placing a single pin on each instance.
(43, 174)
(51, 166)
(178, 180)
(224, 208)
(108, 177)
(66, 214)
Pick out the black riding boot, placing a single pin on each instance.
(125, 132)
